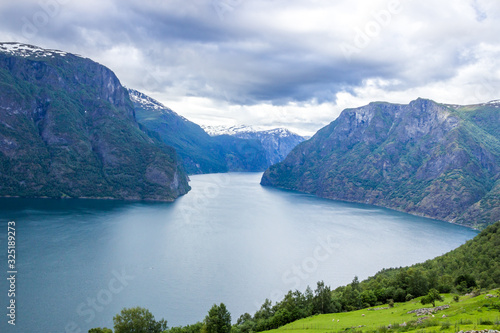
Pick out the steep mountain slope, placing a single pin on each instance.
(424, 158)
(242, 154)
(199, 152)
(277, 142)
(68, 129)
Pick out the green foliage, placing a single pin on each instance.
(195, 328)
(100, 330)
(463, 266)
(391, 303)
(322, 301)
(431, 297)
(138, 320)
(446, 325)
(218, 320)
(465, 283)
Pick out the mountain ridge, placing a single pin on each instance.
(68, 129)
(422, 158)
(277, 142)
(199, 152)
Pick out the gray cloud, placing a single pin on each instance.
(240, 52)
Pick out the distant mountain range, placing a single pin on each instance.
(225, 149)
(424, 158)
(68, 129)
(277, 142)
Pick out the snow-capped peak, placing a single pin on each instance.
(281, 132)
(241, 129)
(26, 50)
(228, 130)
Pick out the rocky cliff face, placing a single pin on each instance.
(424, 158)
(68, 129)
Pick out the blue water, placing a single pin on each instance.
(228, 240)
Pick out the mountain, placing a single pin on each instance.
(199, 152)
(277, 142)
(425, 158)
(227, 130)
(68, 129)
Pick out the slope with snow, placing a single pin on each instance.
(277, 142)
(26, 51)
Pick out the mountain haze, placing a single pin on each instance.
(424, 158)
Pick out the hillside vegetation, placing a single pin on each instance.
(424, 158)
(68, 129)
(464, 314)
(471, 267)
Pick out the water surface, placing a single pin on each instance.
(228, 240)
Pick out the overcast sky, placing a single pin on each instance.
(291, 63)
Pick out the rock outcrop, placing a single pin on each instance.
(429, 311)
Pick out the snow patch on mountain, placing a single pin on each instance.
(227, 130)
(277, 142)
(26, 50)
(149, 103)
(242, 129)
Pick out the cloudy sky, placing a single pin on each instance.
(292, 63)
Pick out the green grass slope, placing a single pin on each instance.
(469, 268)
(469, 313)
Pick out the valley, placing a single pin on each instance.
(276, 226)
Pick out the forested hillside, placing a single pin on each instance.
(424, 158)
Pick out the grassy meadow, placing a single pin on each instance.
(469, 313)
